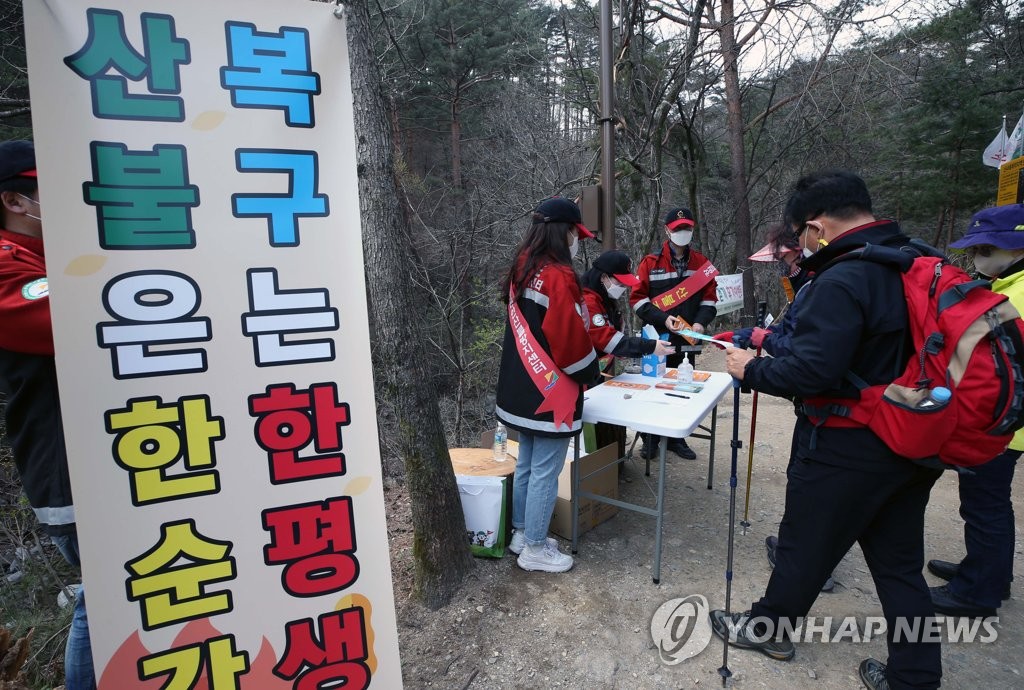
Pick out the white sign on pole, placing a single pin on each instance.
(730, 293)
(197, 167)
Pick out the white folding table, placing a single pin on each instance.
(655, 411)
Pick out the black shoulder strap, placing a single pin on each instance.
(878, 254)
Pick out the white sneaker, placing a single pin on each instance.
(519, 541)
(547, 558)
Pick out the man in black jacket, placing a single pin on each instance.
(844, 484)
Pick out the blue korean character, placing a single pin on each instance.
(143, 199)
(271, 70)
(281, 210)
(108, 48)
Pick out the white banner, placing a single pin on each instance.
(730, 293)
(197, 171)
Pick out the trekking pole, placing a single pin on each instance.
(762, 314)
(736, 444)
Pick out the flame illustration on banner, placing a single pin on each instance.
(122, 671)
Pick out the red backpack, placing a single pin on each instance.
(966, 339)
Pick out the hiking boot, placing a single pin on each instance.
(872, 674)
(772, 543)
(679, 447)
(947, 571)
(736, 628)
(519, 541)
(546, 558)
(650, 447)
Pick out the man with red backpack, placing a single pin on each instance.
(981, 581)
(845, 485)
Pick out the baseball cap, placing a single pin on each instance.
(679, 216)
(616, 264)
(17, 159)
(558, 209)
(999, 226)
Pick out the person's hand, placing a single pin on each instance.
(697, 328)
(674, 324)
(758, 335)
(663, 347)
(736, 362)
(725, 337)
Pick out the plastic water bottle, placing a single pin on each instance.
(937, 397)
(684, 373)
(500, 443)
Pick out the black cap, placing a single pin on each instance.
(558, 209)
(17, 159)
(616, 264)
(679, 216)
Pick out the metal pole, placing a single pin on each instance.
(736, 444)
(607, 131)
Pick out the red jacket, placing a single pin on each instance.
(606, 333)
(658, 273)
(28, 380)
(552, 305)
(24, 297)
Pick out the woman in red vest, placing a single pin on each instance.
(546, 361)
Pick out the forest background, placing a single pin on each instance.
(720, 106)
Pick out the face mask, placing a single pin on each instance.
(574, 247)
(681, 238)
(995, 263)
(615, 291)
(28, 198)
(807, 253)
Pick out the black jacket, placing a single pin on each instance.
(853, 319)
(36, 435)
(553, 306)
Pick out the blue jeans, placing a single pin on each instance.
(989, 532)
(536, 485)
(78, 669)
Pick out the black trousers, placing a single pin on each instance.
(989, 532)
(828, 509)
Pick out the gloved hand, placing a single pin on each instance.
(724, 336)
(741, 337)
(758, 335)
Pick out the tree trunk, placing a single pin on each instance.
(456, 145)
(737, 150)
(441, 555)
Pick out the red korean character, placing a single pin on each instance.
(316, 541)
(289, 419)
(339, 655)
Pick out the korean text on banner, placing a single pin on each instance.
(730, 293)
(206, 270)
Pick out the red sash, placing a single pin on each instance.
(560, 392)
(671, 299)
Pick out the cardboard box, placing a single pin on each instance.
(592, 513)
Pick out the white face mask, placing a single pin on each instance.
(996, 262)
(28, 198)
(615, 290)
(681, 238)
(574, 247)
(807, 253)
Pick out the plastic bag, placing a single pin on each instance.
(483, 506)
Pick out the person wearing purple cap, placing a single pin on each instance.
(980, 582)
(28, 379)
